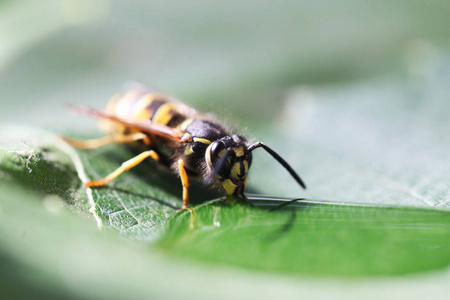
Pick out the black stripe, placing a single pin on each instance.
(154, 106)
(176, 119)
(242, 169)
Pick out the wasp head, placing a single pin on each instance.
(229, 160)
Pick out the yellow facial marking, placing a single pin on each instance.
(245, 166)
(235, 171)
(239, 151)
(202, 140)
(229, 186)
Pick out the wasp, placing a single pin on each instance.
(178, 137)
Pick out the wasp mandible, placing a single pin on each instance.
(175, 135)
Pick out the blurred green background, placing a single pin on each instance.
(353, 93)
(220, 54)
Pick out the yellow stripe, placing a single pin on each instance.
(163, 115)
(122, 106)
(185, 124)
(140, 108)
(202, 140)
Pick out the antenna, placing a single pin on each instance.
(279, 159)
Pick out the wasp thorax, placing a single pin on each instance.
(229, 160)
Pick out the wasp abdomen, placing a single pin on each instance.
(146, 106)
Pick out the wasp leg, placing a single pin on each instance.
(96, 143)
(124, 167)
(184, 182)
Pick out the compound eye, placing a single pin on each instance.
(216, 147)
(223, 167)
(249, 159)
(221, 164)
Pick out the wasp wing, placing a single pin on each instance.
(140, 125)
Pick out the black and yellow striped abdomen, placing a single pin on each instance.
(138, 106)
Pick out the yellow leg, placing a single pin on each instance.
(184, 182)
(124, 167)
(96, 143)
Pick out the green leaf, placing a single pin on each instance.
(322, 239)
(379, 142)
(307, 239)
(311, 238)
(47, 253)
